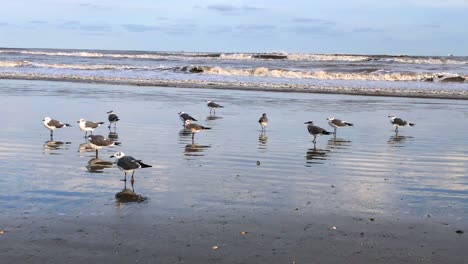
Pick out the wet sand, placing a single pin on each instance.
(367, 196)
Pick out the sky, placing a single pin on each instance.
(412, 27)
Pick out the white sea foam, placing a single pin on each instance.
(242, 56)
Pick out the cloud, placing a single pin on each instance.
(2, 24)
(232, 8)
(315, 30)
(139, 28)
(312, 21)
(77, 25)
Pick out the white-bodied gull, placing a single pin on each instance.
(128, 164)
(53, 124)
(398, 122)
(337, 123)
(113, 118)
(98, 142)
(316, 130)
(194, 128)
(263, 121)
(88, 126)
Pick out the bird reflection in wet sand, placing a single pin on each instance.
(213, 117)
(97, 165)
(195, 149)
(262, 140)
(55, 145)
(315, 155)
(129, 196)
(114, 136)
(338, 143)
(398, 140)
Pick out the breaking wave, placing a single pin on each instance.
(243, 56)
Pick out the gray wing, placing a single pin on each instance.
(399, 121)
(186, 116)
(315, 130)
(338, 122)
(213, 105)
(128, 163)
(55, 123)
(91, 124)
(99, 140)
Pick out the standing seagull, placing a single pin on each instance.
(194, 128)
(337, 123)
(263, 121)
(212, 105)
(315, 130)
(128, 164)
(88, 126)
(53, 124)
(113, 118)
(184, 117)
(98, 142)
(398, 122)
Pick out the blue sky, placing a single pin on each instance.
(416, 27)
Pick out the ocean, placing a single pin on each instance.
(398, 75)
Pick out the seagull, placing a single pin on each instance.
(88, 126)
(263, 121)
(53, 124)
(98, 142)
(398, 122)
(113, 118)
(315, 130)
(194, 128)
(128, 164)
(184, 116)
(212, 105)
(337, 123)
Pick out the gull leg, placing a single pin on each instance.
(315, 137)
(132, 180)
(96, 153)
(125, 180)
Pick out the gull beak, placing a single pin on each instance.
(112, 156)
(78, 121)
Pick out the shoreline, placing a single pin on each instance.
(193, 84)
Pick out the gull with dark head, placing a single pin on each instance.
(337, 123)
(315, 130)
(398, 122)
(263, 121)
(184, 117)
(194, 128)
(88, 126)
(113, 118)
(53, 124)
(128, 164)
(98, 142)
(213, 106)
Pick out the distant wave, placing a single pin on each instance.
(243, 56)
(357, 74)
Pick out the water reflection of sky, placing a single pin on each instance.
(367, 168)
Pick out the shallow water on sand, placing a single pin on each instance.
(366, 169)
